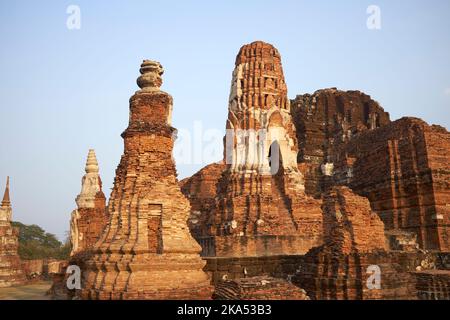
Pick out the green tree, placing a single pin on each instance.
(35, 243)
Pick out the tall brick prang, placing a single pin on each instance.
(260, 205)
(146, 250)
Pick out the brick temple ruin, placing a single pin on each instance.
(90, 218)
(11, 271)
(261, 205)
(87, 223)
(353, 190)
(146, 250)
(15, 271)
(313, 196)
(402, 167)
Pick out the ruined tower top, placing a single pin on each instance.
(91, 163)
(6, 202)
(89, 218)
(146, 250)
(258, 79)
(258, 104)
(144, 113)
(150, 79)
(11, 271)
(91, 184)
(5, 208)
(257, 50)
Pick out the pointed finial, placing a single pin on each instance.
(6, 200)
(91, 163)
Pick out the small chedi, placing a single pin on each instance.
(87, 223)
(89, 219)
(11, 272)
(146, 250)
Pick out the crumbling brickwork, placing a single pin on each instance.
(433, 284)
(258, 288)
(326, 119)
(364, 191)
(403, 169)
(90, 218)
(146, 251)
(349, 224)
(353, 234)
(321, 197)
(329, 275)
(201, 190)
(11, 272)
(260, 207)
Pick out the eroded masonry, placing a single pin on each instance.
(353, 190)
(89, 219)
(146, 250)
(11, 272)
(261, 206)
(315, 197)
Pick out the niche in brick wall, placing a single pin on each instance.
(155, 242)
(274, 157)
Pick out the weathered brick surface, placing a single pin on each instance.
(11, 272)
(349, 224)
(146, 251)
(354, 243)
(283, 266)
(329, 275)
(90, 218)
(351, 232)
(37, 269)
(201, 191)
(328, 118)
(57, 272)
(34, 269)
(433, 284)
(403, 169)
(397, 171)
(258, 288)
(259, 206)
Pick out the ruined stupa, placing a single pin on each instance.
(401, 166)
(146, 250)
(260, 204)
(340, 223)
(89, 219)
(11, 272)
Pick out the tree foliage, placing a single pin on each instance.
(35, 243)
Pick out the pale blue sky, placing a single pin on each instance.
(65, 91)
